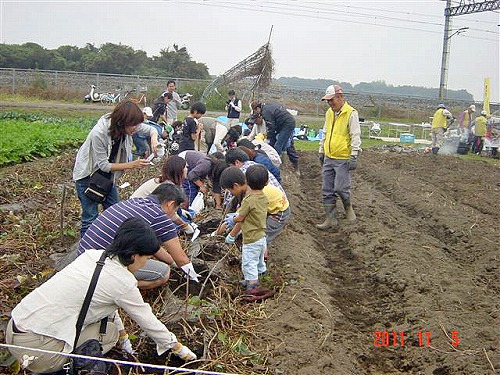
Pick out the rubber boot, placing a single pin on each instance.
(349, 212)
(331, 220)
(296, 168)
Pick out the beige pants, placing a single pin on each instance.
(437, 137)
(233, 122)
(220, 133)
(45, 362)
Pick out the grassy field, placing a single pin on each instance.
(25, 137)
(40, 132)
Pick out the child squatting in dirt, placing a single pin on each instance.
(251, 220)
(278, 208)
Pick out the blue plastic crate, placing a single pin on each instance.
(407, 138)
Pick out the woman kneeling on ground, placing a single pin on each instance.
(46, 318)
(173, 171)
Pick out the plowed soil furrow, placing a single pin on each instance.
(421, 259)
(421, 263)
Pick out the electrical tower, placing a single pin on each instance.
(465, 7)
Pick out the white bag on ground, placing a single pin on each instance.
(198, 203)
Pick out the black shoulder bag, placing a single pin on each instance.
(92, 347)
(100, 183)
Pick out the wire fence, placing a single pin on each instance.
(68, 84)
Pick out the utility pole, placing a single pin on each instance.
(469, 7)
(446, 52)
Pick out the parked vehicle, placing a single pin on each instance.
(136, 99)
(186, 100)
(109, 97)
(302, 133)
(93, 95)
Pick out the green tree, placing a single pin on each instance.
(115, 58)
(177, 63)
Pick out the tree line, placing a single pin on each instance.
(108, 58)
(374, 87)
(173, 62)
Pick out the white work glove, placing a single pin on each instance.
(229, 220)
(190, 272)
(189, 228)
(126, 345)
(230, 239)
(183, 352)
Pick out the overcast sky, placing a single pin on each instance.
(399, 42)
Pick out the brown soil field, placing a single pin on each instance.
(411, 287)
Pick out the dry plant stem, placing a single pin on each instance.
(63, 198)
(137, 360)
(212, 270)
(449, 338)
(489, 361)
(187, 298)
(224, 213)
(118, 369)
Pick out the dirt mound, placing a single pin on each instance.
(411, 287)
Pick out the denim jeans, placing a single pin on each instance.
(283, 138)
(90, 208)
(252, 259)
(292, 153)
(275, 224)
(141, 144)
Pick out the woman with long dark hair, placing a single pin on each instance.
(106, 150)
(173, 171)
(46, 318)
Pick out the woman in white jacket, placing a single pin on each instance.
(107, 148)
(46, 318)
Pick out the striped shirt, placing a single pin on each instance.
(103, 229)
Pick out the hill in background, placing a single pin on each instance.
(373, 87)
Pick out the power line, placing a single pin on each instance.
(307, 14)
(384, 10)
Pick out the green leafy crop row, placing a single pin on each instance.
(25, 137)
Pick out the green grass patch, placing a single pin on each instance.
(27, 136)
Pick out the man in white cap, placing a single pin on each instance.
(338, 153)
(438, 126)
(465, 118)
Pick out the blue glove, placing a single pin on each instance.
(230, 239)
(229, 220)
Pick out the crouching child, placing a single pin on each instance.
(251, 220)
(278, 207)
